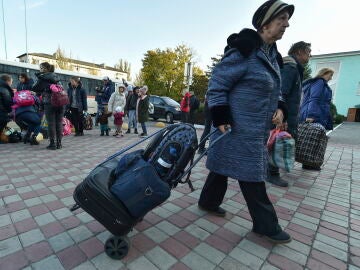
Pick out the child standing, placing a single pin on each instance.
(118, 121)
(103, 121)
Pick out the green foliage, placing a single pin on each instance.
(339, 118)
(214, 61)
(163, 70)
(333, 110)
(200, 83)
(307, 72)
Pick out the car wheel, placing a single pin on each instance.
(169, 118)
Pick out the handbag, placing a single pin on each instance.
(59, 97)
(282, 151)
(137, 185)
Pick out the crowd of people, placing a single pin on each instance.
(251, 90)
(31, 104)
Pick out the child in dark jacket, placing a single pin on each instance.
(103, 121)
(118, 121)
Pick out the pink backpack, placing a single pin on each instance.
(23, 98)
(66, 126)
(59, 96)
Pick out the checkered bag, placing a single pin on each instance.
(311, 144)
(282, 150)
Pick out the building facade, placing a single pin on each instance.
(100, 70)
(345, 83)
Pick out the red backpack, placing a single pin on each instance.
(59, 97)
(23, 98)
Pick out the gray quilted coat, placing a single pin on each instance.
(251, 88)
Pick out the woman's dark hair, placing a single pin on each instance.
(5, 77)
(25, 76)
(47, 66)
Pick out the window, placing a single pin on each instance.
(157, 101)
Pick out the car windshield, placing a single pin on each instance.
(170, 101)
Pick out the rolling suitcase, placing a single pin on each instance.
(95, 197)
(311, 144)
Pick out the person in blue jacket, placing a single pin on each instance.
(244, 93)
(316, 101)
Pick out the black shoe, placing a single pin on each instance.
(107, 133)
(311, 168)
(26, 138)
(128, 131)
(51, 146)
(58, 144)
(81, 133)
(143, 135)
(280, 238)
(277, 181)
(33, 140)
(102, 133)
(220, 212)
(136, 132)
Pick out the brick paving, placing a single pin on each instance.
(321, 210)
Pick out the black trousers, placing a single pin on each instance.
(261, 209)
(206, 131)
(54, 117)
(77, 119)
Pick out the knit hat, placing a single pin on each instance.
(118, 109)
(106, 78)
(268, 11)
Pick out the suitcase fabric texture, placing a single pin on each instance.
(311, 144)
(122, 189)
(93, 195)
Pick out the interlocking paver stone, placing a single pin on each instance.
(60, 241)
(321, 210)
(160, 258)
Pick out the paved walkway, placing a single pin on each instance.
(321, 210)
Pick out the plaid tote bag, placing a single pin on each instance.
(311, 144)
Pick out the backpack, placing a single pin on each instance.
(59, 96)
(171, 151)
(88, 123)
(23, 98)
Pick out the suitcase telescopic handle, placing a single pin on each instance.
(228, 130)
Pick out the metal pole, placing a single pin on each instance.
(2, 4)
(26, 35)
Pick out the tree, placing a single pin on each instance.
(124, 66)
(307, 72)
(214, 61)
(200, 83)
(139, 79)
(163, 70)
(62, 60)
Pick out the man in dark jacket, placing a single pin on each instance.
(291, 84)
(130, 109)
(107, 90)
(78, 104)
(6, 95)
(194, 106)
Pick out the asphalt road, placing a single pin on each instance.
(347, 133)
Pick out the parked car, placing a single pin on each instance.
(165, 107)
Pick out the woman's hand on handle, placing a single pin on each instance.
(224, 128)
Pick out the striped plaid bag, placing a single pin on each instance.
(282, 150)
(311, 144)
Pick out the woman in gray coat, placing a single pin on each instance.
(243, 94)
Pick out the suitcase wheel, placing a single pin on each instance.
(117, 247)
